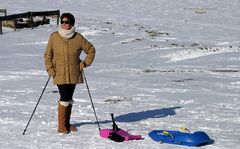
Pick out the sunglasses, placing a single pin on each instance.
(65, 22)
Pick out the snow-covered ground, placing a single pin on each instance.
(160, 64)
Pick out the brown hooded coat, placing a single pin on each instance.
(63, 56)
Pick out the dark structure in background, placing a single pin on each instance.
(28, 19)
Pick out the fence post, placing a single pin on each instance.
(29, 20)
(58, 16)
(0, 27)
(32, 19)
(15, 24)
(3, 11)
(31, 16)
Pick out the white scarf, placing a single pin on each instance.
(66, 33)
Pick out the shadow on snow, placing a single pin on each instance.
(138, 116)
(156, 113)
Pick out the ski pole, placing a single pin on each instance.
(37, 104)
(85, 79)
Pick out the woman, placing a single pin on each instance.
(62, 62)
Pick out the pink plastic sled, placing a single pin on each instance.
(117, 134)
(105, 133)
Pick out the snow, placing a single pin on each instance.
(160, 64)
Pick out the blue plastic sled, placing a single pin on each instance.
(197, 138)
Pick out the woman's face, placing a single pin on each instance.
(66, 24)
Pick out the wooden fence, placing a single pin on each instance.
(28, 15)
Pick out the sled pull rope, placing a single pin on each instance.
(85, 79)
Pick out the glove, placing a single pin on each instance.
(51, 72)
(81, 66)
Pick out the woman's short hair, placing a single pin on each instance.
(70, 17)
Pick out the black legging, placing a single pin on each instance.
(66, 91)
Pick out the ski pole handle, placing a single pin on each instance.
(112, 118)
(115, 127)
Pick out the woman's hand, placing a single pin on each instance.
(51, 72)
(81, 66)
